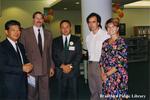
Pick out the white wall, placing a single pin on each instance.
(20, 10)
(73, 16)
(135, 17)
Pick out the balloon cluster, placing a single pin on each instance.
(118, 10)
(49, 17)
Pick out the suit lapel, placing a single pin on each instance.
(11, 49)
(71, 39)
(61, 43)
(45, 40)
(33, 40)
(61, 49)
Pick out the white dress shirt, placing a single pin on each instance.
(64, 38)
(94, 44)
(14, 45)
(36, 32)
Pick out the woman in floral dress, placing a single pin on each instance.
(113, 63)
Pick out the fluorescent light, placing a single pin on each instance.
(52, 2)
(138, 4)
(65, 8)
(77, 3)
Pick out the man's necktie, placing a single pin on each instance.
(66, 43)
(39, 41)
(18, 52)
(66, 49)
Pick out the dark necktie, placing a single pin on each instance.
(18, 52)
(39, 41)
(65, 49)
(66, 43)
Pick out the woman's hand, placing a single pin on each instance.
(104, 76)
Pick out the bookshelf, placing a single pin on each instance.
(137, 49)
(142, 31)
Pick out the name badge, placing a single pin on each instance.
(72, 48)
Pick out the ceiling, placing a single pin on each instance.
(71, 4)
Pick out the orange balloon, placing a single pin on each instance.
(121, 15)
(116, 6)
(116, 9)
(50, 12)
(118, 18)
(119, 11)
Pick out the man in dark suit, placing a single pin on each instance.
(67, 55)
(37, 42)
(14, 65)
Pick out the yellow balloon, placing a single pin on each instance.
(119, 11)
(50, 17)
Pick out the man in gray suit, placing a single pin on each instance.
(37, 42)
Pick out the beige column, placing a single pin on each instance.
(101, 7)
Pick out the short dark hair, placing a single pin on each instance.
(38, 12)
(11, 23)
(94, 15)
(114, 21)
(67, 21)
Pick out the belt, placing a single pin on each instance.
(93, 62)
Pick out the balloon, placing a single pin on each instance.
(118, 18)
(117, 10)
(121, 15)
(116, 6)
(50, 12)
(49, 17)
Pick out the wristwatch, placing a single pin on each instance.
(71, 66)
